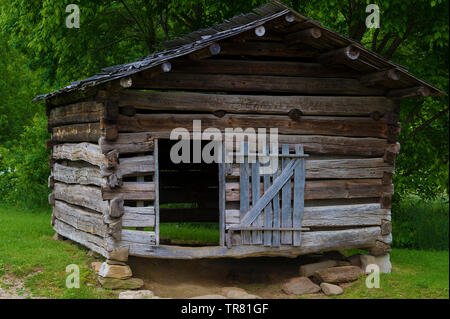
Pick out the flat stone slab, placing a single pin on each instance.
(115, 271)
(300, 286)
(337, 275)
(125, 284)
(137, 294)
(331, 290)
(309, 269)
(237, 293)
(96, 265)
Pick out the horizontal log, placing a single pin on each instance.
(80, 219)
(312, 242)
(306, 35)
(82, 112)
(89, 132)
(254, 83)
(137, 236)
(128, 143)
(340, 56)
(90, 241)
(130, 191)
(188, 215)
(414, 92)
(81, 195)
(339, 169)
(272, 49)
(308, 105)
(332, 216)
(380, 78)
(338, 126)
(322, 145)
(87, 152)
(247, 67)
(328, 189)
(84, 175)
(140, 165)
(138, 217)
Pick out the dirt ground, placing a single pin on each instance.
(189, 278)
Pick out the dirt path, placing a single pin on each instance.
(189, 278)
(12, 288)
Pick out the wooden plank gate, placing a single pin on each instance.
(271, 212)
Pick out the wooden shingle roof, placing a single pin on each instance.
(367, 62)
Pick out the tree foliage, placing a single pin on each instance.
(39, 53)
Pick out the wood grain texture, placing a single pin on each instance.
(128, 143)
(89, 132)
(87, 175)
(83, 112)
(87, 152)
(81, 195)
(131, 191)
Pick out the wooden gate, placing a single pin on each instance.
(271, 212)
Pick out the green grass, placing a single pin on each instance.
(190, 233)
(28, 252)
(415, 274)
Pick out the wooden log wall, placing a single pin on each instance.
(344, 120)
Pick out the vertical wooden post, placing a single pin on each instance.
(222, 203)
(156, 181)
(276, 207)
(244, 194)
(256, 235)
(286, 198)
(268, 209)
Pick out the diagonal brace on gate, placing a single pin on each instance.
(277, 185)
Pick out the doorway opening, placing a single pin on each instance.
(189, 200)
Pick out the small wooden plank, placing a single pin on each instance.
(139, 217)
(131, 191)
(256, 235)
(138, 236)
(299, 196)
(286, 216)
(139, 165)
(244, 198)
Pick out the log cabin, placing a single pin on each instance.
(334, 104)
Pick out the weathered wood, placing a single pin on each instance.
(308, 105)
(273, 49)
(415, 92)
(286, 199)
(305, 36)
(333, 216)
(244, 195)
(339, 168)
(299, 196)
(82, 112)
(268, 211)
(116, 207)
(276, 235)
(84, 175)
(256, 180)
(380, 78)
(257, 83)
(386, 200)
(393, 133)
(249, 67)
(80, 219)
(131, 191)
(90, 241)
(89, 132)
(157, 186)
(386, 227)
(138, 217)
(338, 126)
(137, 236)
(109, 130)
(312, 242)
(340, 56)
(128, 143)
(81, 195)
(80, 152)
(330, 189)
(391, 153)
(140, 165)
(213, 49)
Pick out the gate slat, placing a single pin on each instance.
(299, 194)
(244, 193)
(256, 191)
(276, 210)
(267, 211)
(286, 216)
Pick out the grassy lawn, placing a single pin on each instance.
(28, 252)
